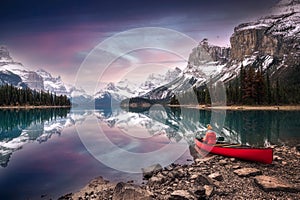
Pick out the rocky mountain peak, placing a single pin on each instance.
(4, 55)
(288, 5)
(277, 34)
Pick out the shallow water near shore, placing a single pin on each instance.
(54, 151)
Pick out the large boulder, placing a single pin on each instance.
(125, 191)
(268, 183)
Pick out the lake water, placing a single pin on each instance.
(55, 151)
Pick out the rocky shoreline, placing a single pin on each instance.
(212, 177)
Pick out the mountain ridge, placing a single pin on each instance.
(16, 74)
(270, 44)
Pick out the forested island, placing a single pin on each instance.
(11, 96)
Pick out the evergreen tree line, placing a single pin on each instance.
(12, 96)
(251, 87)
(202, 94)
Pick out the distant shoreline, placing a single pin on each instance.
(31, 107)
(240, 107)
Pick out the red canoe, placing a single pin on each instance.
(262, 155)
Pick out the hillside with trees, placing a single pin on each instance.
(251, 87)
(13, 96)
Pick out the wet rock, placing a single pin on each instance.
(181, 195)
(216, 176)
(245, 172)
(268, 183)
(149, 171)
(168, 168)
(124, 191)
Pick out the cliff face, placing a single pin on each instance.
(276, 35)
(247, 42)
(206, 53)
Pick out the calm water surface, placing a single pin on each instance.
(55, 151)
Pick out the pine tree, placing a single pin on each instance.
(242, 84)
(269, 89)
(259, 87)
(249, 92)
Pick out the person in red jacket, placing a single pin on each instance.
(210, 136)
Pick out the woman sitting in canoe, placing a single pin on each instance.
(210, 136)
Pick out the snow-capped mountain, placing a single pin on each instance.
(53, 84)
(126, 89)
(8, 67)
(270, 43)
(15, 73)
(204, 62)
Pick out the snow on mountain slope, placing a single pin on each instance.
(126, 88)
(15, 73)
(271, 42)
(204, 62)
(53, 84)
(28, 77)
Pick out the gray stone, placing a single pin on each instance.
(199, 191)
(216, 176)
(245, 172)
(223, 162)
(208, 190)
(181, 195)
(236, 167)
(277, 158)
(268, 183)
(124, 191)
(194, 176)
(204, 180)
(149, 171)
(159, 179)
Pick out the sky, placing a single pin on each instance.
(58, 35)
